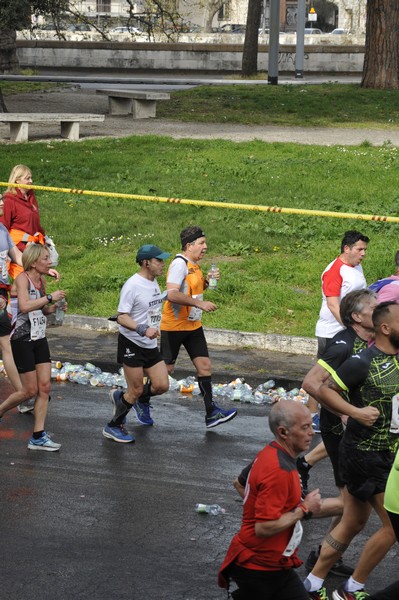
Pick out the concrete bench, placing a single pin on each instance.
(19, 123)
(142, 104)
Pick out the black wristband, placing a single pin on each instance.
(49, 298)
(141, 328)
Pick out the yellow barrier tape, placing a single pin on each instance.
(210, 203)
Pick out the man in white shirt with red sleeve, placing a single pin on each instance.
(342, 275)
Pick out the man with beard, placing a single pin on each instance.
(371, 381)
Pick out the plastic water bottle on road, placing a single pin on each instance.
(210, 509)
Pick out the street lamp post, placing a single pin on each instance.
(300, 39)
(274, 31)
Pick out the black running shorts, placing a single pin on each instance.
(5, 323)
(193, 341)
(365, 472)
(132, 355)
(29, 354)
(331, 443)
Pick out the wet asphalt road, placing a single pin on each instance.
(107, 521)
(102, 520)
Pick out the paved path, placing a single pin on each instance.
(106, 521)
(228, 362)
(86, 100)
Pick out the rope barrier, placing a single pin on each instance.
(209, 203)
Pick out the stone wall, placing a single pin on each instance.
(352, 15)
(180, 57)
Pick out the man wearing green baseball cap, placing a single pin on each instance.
(139, 318)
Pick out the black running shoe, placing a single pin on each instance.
(340, 569)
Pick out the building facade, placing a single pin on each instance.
(345, 14)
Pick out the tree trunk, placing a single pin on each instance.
(3, 107)
(250, 51)
(381, 59)
(8, 51)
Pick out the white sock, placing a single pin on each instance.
(313, 583)
(353, 586)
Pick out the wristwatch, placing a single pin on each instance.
(307, 514)
(49, 298)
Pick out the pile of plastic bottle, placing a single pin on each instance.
(240, 391)
(87, 374)
(237, 390)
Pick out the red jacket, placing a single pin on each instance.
(21, 213)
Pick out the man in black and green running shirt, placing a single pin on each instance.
(370, 380)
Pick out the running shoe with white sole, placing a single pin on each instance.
(118, 434)
(218, 416)
(27, 406)
(43, 443)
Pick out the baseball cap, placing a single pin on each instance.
(149, 251)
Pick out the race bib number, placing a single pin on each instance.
(154, 317)
(37, 325)
(394, 428)
(195, 313)
(295, 540)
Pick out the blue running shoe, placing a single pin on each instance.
(142, 411)
(116, 399)
(43, 443)
(218, 416)
(316, 423)
(118, 434)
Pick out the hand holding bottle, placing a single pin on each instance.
(213, 277)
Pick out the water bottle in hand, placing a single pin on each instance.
(60, 313)
(213, 282)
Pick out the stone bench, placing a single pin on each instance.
(19, 123)
(142, 104)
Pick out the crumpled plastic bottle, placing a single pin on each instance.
(92, 368)
(173, 384)
(210, 509)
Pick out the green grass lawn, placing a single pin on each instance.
(270, 263)
(25, 87)
(329, 104)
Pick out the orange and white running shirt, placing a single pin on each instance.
(338, 279)
(188, 276)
